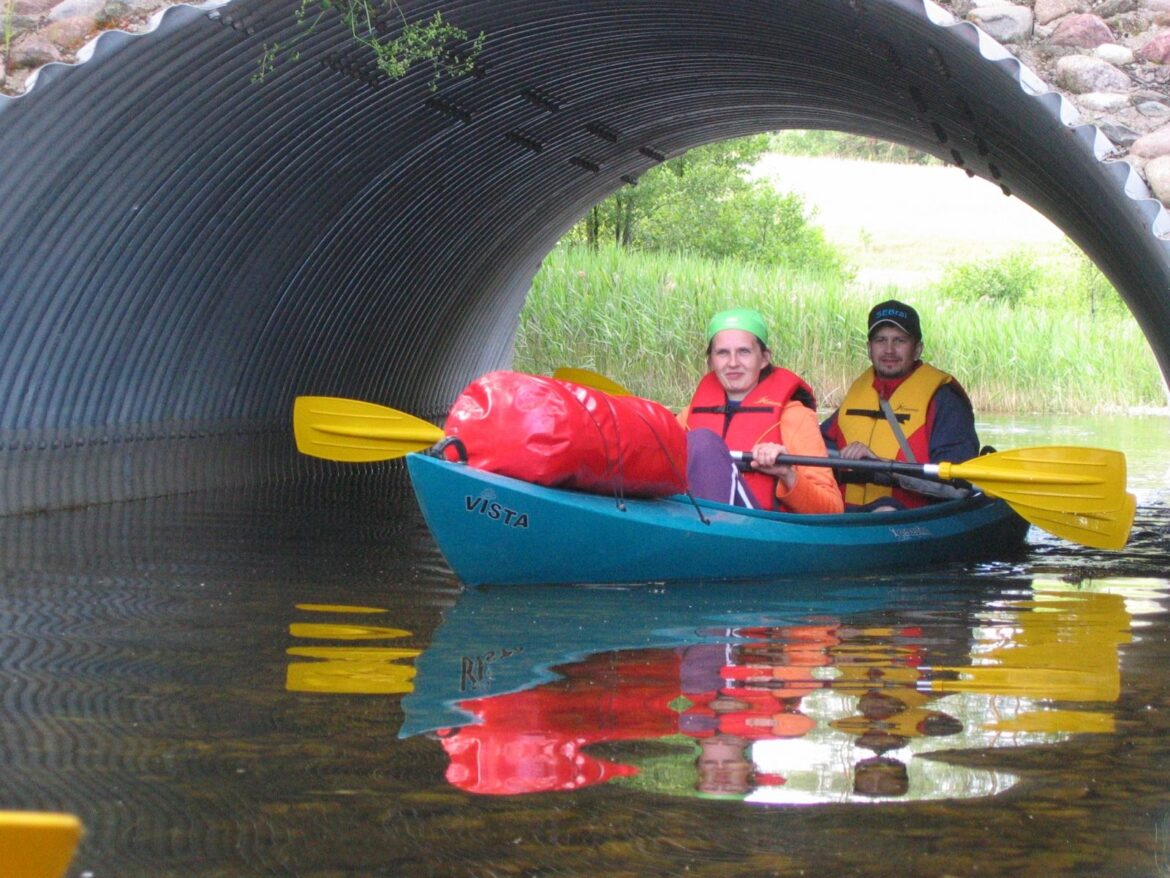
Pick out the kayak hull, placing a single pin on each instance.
(498, 530)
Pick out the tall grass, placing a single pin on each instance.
(640, 317)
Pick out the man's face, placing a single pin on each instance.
(893, 352)
(737, 358)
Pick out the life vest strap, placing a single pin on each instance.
(722, 409)
(876, 414)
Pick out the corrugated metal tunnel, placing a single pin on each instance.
(183, 251)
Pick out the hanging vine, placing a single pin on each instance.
(434, 41)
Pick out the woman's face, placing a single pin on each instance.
(737, 358)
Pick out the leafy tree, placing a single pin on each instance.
(1092, 287)
(847, 146)
(704, 202)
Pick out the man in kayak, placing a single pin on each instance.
(900, 409)
(744, 403)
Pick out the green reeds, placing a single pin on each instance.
(639, 318)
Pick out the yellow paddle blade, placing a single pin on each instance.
(36, 844)
(1059, 478)
(1098, 530)
(357, 432)
(589, 378)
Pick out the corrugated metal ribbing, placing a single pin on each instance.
(184, 251)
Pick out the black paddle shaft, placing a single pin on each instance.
(889, 467)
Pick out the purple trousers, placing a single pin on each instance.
(711, 473)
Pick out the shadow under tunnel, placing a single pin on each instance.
(185, 250)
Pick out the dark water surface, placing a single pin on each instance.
(290, 682)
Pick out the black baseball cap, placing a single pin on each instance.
(896, 314)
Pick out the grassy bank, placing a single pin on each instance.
(639, 318)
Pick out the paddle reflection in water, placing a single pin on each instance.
(797, 693)
(369, 669)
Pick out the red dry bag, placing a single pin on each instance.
(566, 435)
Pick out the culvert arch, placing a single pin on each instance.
(185, 250)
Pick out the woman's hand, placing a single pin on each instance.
(764, 460)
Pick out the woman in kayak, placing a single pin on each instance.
(744, 403)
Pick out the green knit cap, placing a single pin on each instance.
(747, 319)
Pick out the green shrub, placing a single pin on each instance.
(1008, 280)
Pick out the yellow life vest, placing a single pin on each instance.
(860, 419)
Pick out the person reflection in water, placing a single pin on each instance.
(880, 776)
(723, 766)
(888, 720)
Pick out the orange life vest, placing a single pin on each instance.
(757, 419)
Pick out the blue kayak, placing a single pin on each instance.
(497, 530)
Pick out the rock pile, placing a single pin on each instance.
(39, 32)
(1111, 58)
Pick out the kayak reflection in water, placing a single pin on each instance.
(535, 740)
(801, 711)
(745, 403)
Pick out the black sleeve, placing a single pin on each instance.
(953, 437)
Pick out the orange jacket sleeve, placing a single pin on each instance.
(816, 488)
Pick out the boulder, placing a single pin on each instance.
(1153, 145)
(1081, 74)
(1047, 11)
(1157, 50)
(1102, 101)
(1118, 132)
(1110, 8)
(1115, 53)
(78, 8)
(17, 81)
(1083, 31)
(1131, 24)
(1005, 22)
(1158, 177)
(32, 50)
(34, 8)
(15, 25)
(1154, 110)
(70, 34)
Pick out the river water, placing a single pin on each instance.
(291, 682)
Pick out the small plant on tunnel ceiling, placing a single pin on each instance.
(435, 41)
(9, 29)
